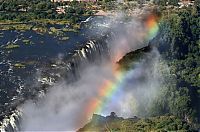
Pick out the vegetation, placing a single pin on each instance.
(27, 10)
(36, 15)
(19, 65)
(160, 123)
(166, 2)
(15, 26)
(12, 46)
(64, 38)
(27, 41)
(22, 11)
(178, 43)
(181, 50)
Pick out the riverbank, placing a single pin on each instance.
(38, 23)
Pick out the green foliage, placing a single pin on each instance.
(180, 103)
(12, 46)
(180, 47)
(179, 44)
(26, 41)
(166, 2)
(19, 65)
(182, 30)
(160, 2)
(24, 11)
(160, 123)
(173, 2)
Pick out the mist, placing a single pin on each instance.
(63, 107)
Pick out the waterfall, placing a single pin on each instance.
(12, 122)
(69, 69)
(92, 49)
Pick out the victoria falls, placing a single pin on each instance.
(99, 65)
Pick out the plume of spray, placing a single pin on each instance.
(101, 88)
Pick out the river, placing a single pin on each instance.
(22, 67)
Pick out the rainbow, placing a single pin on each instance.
(151, 25)
(110, 89)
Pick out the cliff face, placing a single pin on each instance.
(115, 123)
(134, 56)
(108, 123)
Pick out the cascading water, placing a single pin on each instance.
(88, 53)
(12, 122)
(92, 53)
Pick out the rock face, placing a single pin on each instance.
(101, 123)
(101, 119)
(129, 58)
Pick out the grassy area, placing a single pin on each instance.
(76, 26)
(19, 65)
(12, 46)
(40, 30)
(69, 30)
(50, 21)
(60, 31)
(21, 27)
(26, 41)
(45, 21)
(39, 25)
(10, 22)
(64, 38)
